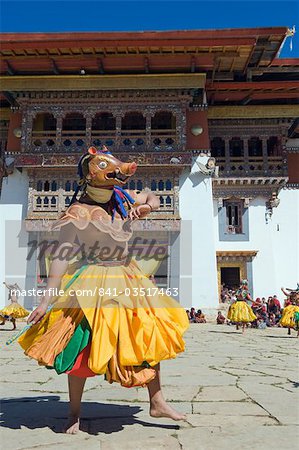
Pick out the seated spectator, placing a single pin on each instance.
(200, 317)
(220, 319)
(272, 320)
(192, 315)
(259, 308)
(273, 307)
(188, 313)
(276, 301)
(261, 324)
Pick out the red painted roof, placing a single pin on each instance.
(285, 62)
(144, 35)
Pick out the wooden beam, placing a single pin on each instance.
(146, 65)
(193, 64)
(10, 68)
(101, 66)
(246, 99)
(253, 111)
(8, 96)
(118, 42)
(5, 113)
(55, 67)
(101, 82)
(256, 85)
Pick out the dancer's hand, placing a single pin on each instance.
(39, 312)
(139, 211)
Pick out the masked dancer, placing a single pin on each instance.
(121, 327)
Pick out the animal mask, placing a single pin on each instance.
(102, 169)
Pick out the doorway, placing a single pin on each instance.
(230, 277)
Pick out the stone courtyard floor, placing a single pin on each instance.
(239, 392)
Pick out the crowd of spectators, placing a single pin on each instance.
(268, 312)
(196, 316)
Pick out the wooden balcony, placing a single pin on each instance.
(253, 166)
(143, 159)
(123, 141)
(50, 204)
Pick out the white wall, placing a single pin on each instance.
(13, 238)
(198, 284)
(277, 243)
(285, 239)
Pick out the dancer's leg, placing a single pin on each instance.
(13, 321)
(158, 405)
(289, 331)
(243, 327)
(76, 386)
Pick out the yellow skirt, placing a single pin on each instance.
(287, 319)
(240, 311)
(126, 314)
(14, 310)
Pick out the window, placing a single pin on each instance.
(163, 120)
(217, 147)
(161, 185)
(168, 185)
(44, 122)
(39, 186)
(255, 147)
(133, 121)
(74, 121)
(153, 185)
(53, 186)
(236, 147)
(67, 201)
(49, 122)
(234, 211)
(68, 186)
(103, 121)
(273, 146)
(132, 185)
(53, 202)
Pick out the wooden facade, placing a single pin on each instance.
(142, 95)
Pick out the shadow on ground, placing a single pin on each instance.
(49, 411)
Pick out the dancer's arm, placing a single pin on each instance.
(146, 203)
(10, 287)
(285, 292)
(58, 267)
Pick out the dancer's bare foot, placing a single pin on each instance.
(72, 425)
(162, 409)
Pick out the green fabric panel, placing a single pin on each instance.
(66, 359)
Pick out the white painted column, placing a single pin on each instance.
(13, 238)
(198, 284)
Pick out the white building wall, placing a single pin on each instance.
(198, 271)
(285, 239)
(13, 238)
(277, 243)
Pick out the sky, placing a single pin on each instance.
(122, 15)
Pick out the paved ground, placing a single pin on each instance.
(238, 392)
